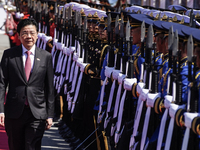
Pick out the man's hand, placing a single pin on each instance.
(49, 123)
(2, 117)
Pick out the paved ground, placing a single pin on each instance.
(51, 140)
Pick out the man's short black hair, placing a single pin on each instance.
(26, 22)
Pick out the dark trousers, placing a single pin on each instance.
(26, 132)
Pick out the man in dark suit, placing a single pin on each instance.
(27, 71)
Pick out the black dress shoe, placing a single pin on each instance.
(75, 143)
(71, 139)
(67, 129)
(68, 134)
(63, 126)
(64, 130)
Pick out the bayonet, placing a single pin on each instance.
(175, 44)
(46, 9)
(119, 9)
(170, 45)
(59, 11)
(39, 9)
(148, 55)
(128, 31)
(63, 17)
(34, 5)
(29, 3)
(56, 13)
(143, 28)
(122, 28)
(150, 37)
(85, 24)
(85, 32)
(76, 17)
(117, 25)
(66, 13)
(43, 7)
(109, 23)
(70, 13)
(170, 38)
(189, 57)
(190, 47)
(80, 20)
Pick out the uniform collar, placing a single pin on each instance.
(183, 60)
(165, 56)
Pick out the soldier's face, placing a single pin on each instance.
(136, 34)
(96, 28)
(104, 35)
(90, 27)
(28, 36)
(100, 31)
(159, 43)
(166, 46)
(197, 53)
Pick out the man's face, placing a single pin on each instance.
(104, 34)
(28, 36)
(159, 44)
(90, 27)
(166, 45)
(100, 30)
(94, 27)
(197, 52)
(136, 34)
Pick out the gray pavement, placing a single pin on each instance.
(4, 44)
(51, 139)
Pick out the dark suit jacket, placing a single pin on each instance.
(38, 90)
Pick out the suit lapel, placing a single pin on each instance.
(19, 62)
(36, 64)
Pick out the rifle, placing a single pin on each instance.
(110, 43)
(117, 31)
(148, 129)
(85, 41)
(58, 27)
(142, 38)
(123, 47)
(122, 69)
(29, 3)
(81, 40)
(161, 105)
(190, 138)
(34, 9)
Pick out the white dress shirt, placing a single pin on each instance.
(24, 55)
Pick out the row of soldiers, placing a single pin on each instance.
(128, 77)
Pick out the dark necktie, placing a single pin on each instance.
(27, 69)
(28, 65)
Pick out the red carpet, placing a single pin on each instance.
(3, 139)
